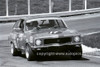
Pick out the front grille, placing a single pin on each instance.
(58, 40)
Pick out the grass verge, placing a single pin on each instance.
(92, 40)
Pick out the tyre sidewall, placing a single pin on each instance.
(14, 51)
(31, 56)
(79, 56)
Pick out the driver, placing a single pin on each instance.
(32, 25)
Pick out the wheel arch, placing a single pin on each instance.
(27, 44)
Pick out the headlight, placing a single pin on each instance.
(77, 39)
(38, 42)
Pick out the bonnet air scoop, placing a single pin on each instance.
(55, 32)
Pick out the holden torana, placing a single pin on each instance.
(34, 37)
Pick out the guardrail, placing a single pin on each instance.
(58, 14)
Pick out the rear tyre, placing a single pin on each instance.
(14, 51)
(29, 54)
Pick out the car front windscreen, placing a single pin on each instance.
(45, 24)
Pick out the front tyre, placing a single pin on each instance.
(14, 51)
(29, 54)
(79, 53)
(76, 57)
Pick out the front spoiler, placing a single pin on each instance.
(59, 50)
(56, 45)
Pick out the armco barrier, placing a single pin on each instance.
(58, 14)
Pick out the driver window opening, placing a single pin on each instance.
(21, 26)
(32, 25)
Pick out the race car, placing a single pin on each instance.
(44, 36)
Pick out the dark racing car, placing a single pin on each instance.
(44, 36)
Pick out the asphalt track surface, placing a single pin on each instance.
(83, 25)
(7, 60)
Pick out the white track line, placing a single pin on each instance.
(86, 34)
(92, 56)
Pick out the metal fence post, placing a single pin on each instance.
(7, 8)
(85, 4)
(28, 7)
(50, 7)
(70, 5)
(15, 9)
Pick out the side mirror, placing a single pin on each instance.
(18, 29)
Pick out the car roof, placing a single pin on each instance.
(29, 20)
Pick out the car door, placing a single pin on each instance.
(14, 34)
(21, 35)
